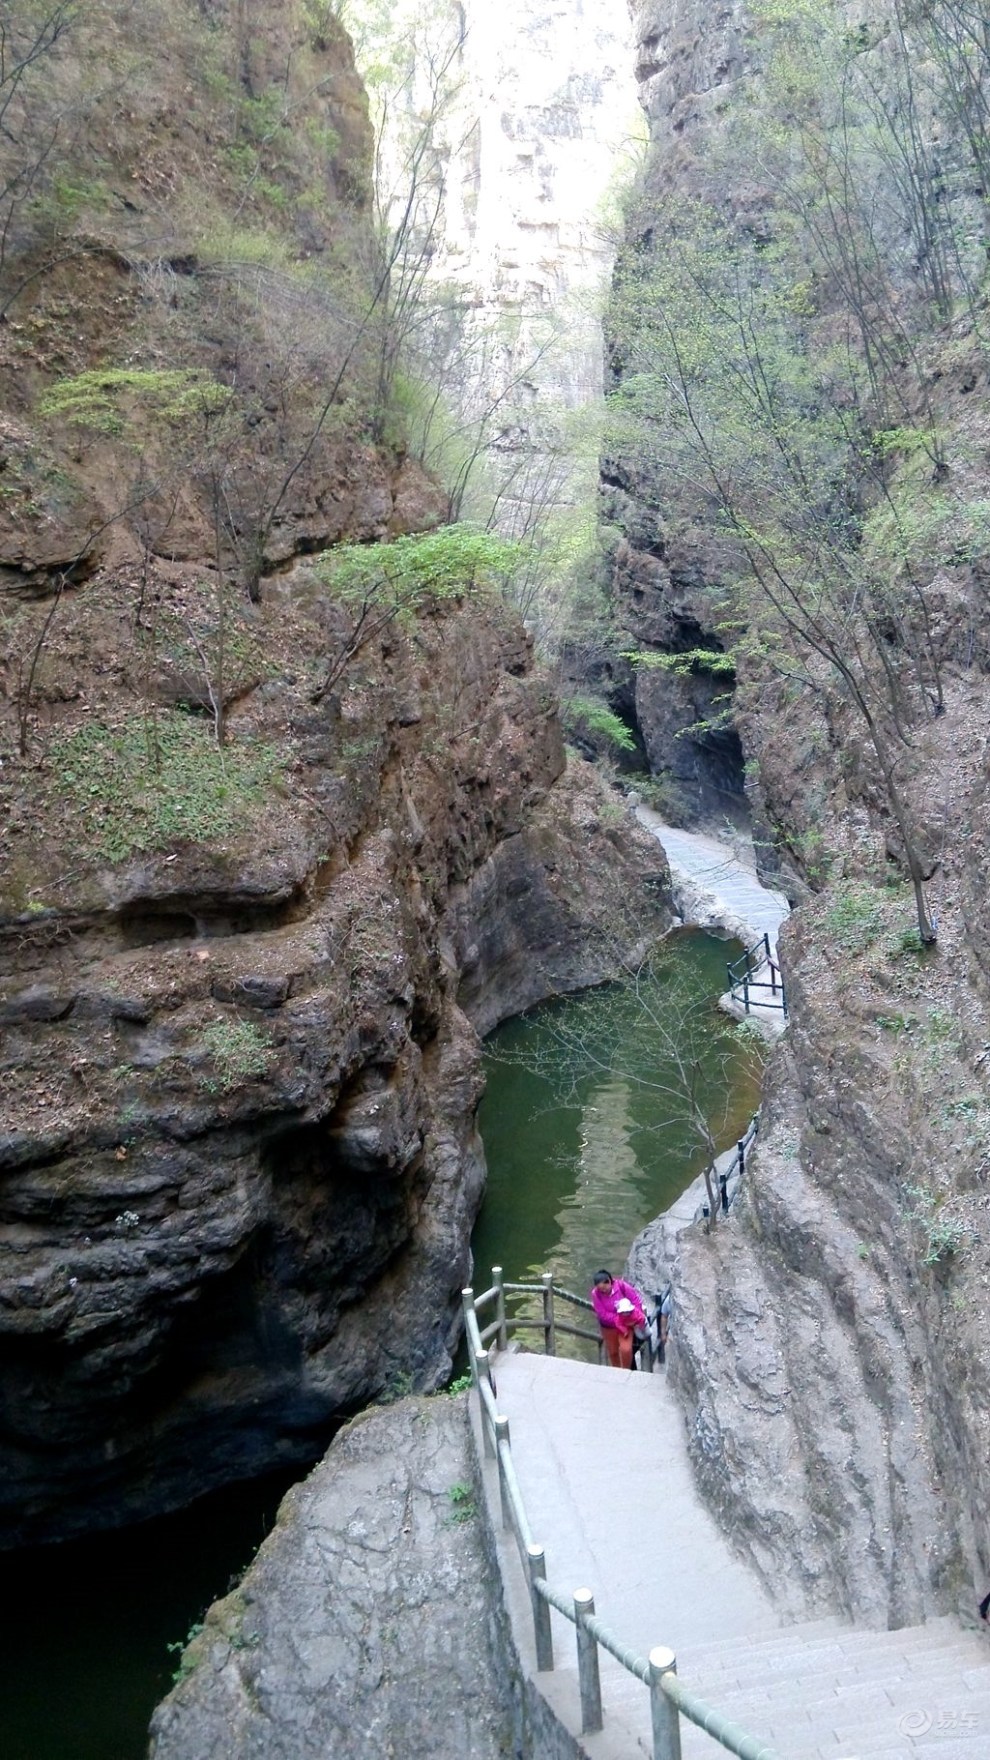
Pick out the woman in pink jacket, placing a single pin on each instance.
(618, 1310)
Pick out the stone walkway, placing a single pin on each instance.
(602, 1462)
(714, 887)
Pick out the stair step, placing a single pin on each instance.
(836, 1668)
(806, 1638)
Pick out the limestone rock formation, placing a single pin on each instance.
(383, 1539)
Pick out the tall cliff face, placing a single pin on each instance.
(253, 845)
(531, 121)
(688, 59)
(831, 1338)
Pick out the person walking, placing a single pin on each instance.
(618, 1310)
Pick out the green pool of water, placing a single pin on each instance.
(584, 1131)
(582, 1152)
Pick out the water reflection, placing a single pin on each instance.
(584, 1142)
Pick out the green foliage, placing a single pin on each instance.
(460, 1384)
(897, 1023)
(592, 718)
(323, 20)
(240, 1051)
(908, 941)
(399, 1386)
(180, 1647)
(683, 665)
(146, 786)
(662, 794)
(945, 1236)
(463, 1505)
(100, 399)
(407, 573)
(855, 918)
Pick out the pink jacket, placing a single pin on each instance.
(603, 1302)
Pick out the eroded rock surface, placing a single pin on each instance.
(369, 1621)
(239, 1156)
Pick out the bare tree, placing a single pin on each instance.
(678, 1053)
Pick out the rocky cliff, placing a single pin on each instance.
(263, 861)
(384, 1538)
(831, 1337)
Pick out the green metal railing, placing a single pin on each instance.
(549, 1323)
(669, 1699)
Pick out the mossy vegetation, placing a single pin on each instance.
(149, 784)
(239, 1051)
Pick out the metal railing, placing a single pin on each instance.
(549, 1324)
(745, 980)
(669, 1700)
(725, 1197)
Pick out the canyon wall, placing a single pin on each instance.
(530, 124)
(264, 858)
(831, 1339)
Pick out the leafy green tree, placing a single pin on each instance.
(380, 584)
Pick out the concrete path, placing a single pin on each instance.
(602, 1463)
(714, 887)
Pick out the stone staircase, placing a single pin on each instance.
(602, 1463)
(826, 1691)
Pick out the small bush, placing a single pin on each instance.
(592, 719)
(98, 399)
(462, 1501)
(945, 1236)
(240, 1051)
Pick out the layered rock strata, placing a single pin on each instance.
(239, 1153)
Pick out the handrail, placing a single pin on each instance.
(741, 972)
(669, 1700)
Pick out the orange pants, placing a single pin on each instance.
(618, 1347)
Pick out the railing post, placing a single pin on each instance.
(746, 989)
(741, 1152)
(502, 1334)
(587, 1656)
(766, 943)
(484, 1373)
(467, 1305)
(541, 1609)
(502, 1435)
(666, 1717)
(773, 978)
(723, 1186)
(549, 1328)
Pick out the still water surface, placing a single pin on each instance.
(581, 1157)
(86, 1627)
(578, 1164)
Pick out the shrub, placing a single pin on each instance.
(592, 719)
